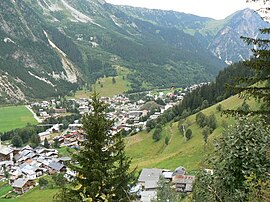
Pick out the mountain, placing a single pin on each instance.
(50, 47)
(227, 43)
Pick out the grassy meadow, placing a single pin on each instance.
(106, 87)
(179, 152)
(15, 117)
(34, 195)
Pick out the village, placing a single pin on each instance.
(23, 166)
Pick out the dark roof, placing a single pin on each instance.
(56, 166)
(180, 171)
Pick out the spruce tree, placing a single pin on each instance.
(101, 166)
(258, 84)
(46, 143)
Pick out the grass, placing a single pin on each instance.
(35, 195)
(105, 87)
(4, 188)
(13, 117)
(179, 152)
(65, 151)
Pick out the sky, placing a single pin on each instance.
(217, 9)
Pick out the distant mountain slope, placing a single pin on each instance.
(49, 47)
(227, 43)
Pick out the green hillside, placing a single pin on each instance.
(15, 117)
(190, 154)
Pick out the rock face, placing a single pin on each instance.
(49, 47)
(228, 45)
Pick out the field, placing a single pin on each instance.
(15, 117)
(106, 87)
(179, 152)
(35, 195)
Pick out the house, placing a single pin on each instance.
(6, 153)
(15, 174)
(183, 183)
(29, 171)
(55, 167)
(149, 178)
(43, 135)
(74, 127)
(181, 180)
(22, 185)
(60, 110)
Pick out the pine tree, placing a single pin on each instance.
(101, 165)
(260, 66)
(46, 143)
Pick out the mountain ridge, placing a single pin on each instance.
(60, 45)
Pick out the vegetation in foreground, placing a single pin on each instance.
(241, 164)
(101, 166)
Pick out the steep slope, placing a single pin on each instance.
(179, 152)
(49, 47)
(30, 67)
(228, 45)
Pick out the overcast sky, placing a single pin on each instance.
(217, 9)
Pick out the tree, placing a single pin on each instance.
(244, 107)
(17, 141)
(101, 165)
(56, 143)
(59, 179)
(219, 108)
(167, 140)
(34, 140)
(160, 101)
(201, 119)
(259, 64)
(189, 134)
(113, 80)
(182, 128)
(166, 192)
(157, 134)
(46, 143)
(205, 104)
(206, 132)
(42, 182)
(212, 122)
(240, 153)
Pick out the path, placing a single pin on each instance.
(34, 114)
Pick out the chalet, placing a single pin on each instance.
(74, 127)
(55, 167)
(55, 128)
(64, 160)
(183, 183)
(14, 174)
(149, 178)
(6, 153)
(22, 185)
